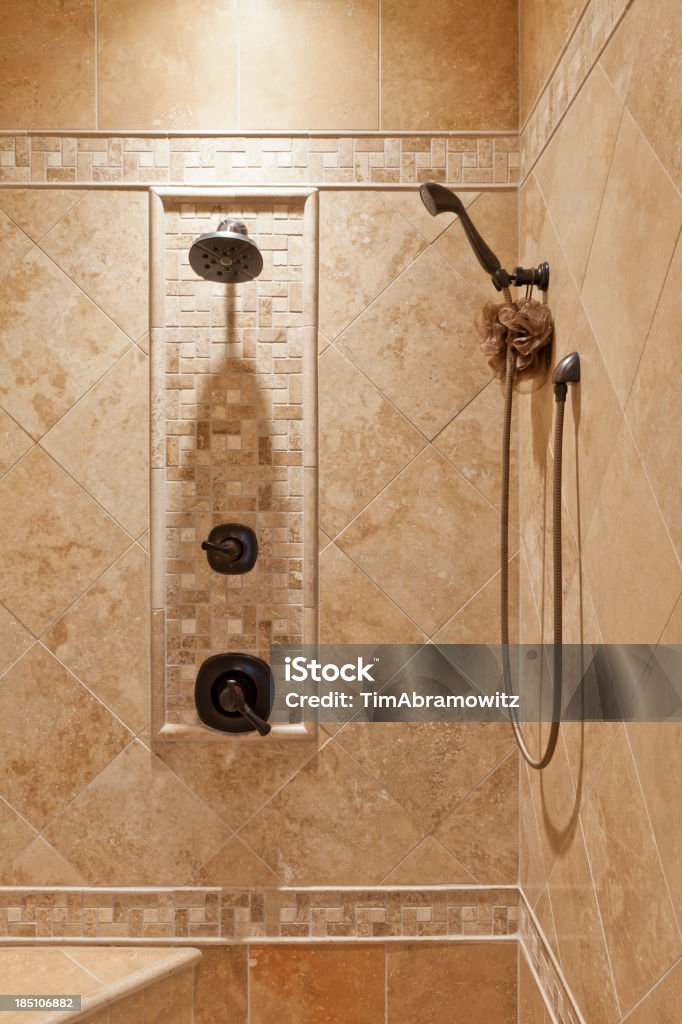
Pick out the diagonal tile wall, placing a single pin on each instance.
(94, 808)
(599, 828)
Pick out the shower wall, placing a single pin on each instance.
(601, 828)
(408, 428)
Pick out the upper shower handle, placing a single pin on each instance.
(439, 199)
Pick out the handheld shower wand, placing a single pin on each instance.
(439, 199)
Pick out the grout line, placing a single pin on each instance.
(86, 590)
(523, 952)
(238, 61)
(656, 984)
(596, 898)
(552, 956)
(266, 133)
(664, 873)
(379, 59)
(96, 65)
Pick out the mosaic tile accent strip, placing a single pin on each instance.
(596, 26)
(242, 916)
(554, 990)
(201, 160)
(233, 436)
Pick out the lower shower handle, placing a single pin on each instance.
(233, 698)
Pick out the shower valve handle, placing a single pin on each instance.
(233, 699)
(232, 549)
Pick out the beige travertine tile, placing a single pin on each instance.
(478, 622)
(417, 342)
(40, 864)
(104, 638)
(531, 1006)
(441, 70)
(481, 831)
(543, 33)
(322, 61)
(654, 95)
(555, 801)
(545, 916)
(48, 971)
(353, 610)
(253, 777)
(532, 868)
(638, 226)
(111, 965)
(631, 890)
(587, 744)
(472, 442)
(158, 835)
(168, 1001)
(331, 824)
(185, 56)
(36, 210)
(628, 553)
(103, 442)
(57, 736)
(14, 442)
(618, 57)
(364, 441)
(453, 759)
(54, 540)
(672, 634)
(312, 983)
(220, 985)
(582, 950)
(652, 409)
(15, 834)
(47, 73)
(13, 243)
(354, 228)
(14, 639)
(470, 981)
(54, 340)
(655, 747)
(429, 501)
(429, 864)
(662, 1005)
(236, 865)
(572, 170)
(412, 208)
(592, 419)
(102, 244)
(494, 214)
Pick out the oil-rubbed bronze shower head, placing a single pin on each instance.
(226, 256)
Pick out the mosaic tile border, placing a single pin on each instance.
(377, 158)
(238, 915)
(595, 27)
(272, 469)
(553, 987)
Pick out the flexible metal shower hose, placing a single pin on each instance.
(548, 753)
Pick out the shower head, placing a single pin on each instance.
(439, 199)
(227, 255)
